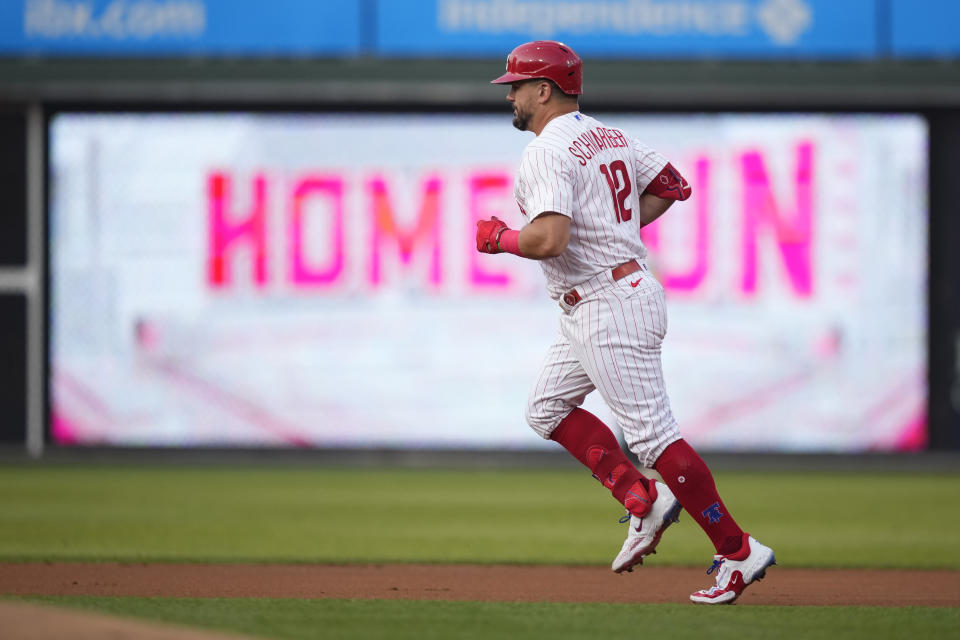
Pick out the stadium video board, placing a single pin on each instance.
(311, 280)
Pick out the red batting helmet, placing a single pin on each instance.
(545, 59)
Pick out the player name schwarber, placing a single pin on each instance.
(588, 144)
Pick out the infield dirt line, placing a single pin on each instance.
(31, 621)
(502, 583)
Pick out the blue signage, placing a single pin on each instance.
(633, 28)
(180, 27)
(664, 29)
(925, 28)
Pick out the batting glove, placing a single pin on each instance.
(488, 235)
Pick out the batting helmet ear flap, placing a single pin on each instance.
(545, 59)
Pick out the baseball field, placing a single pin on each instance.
(299, 552)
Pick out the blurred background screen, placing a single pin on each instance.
(311, 280)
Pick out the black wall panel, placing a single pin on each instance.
(945, 280)
(13, 188)
(13, 360)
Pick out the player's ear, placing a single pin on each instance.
(545, 91)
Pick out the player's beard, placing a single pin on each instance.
(520, 119)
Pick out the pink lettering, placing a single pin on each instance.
(307, 189)
(793, 234)
(425, 229)
(689, 281)
(225, 236)
(482, 187)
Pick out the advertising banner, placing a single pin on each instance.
(179, 27)
(633, 28)
(668, 29)
(312, 280)
(925, 28)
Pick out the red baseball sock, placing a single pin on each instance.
(593, 444)
(690, 479)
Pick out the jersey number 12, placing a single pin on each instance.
(620, 186)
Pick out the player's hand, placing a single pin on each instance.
(488, 233)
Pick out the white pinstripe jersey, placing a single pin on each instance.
(594, 175)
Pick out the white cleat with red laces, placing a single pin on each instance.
(643, 534)
(735, 571)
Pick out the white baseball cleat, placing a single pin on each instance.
(644, 533)
(735, 571)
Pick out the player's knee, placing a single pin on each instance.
(648, 444)
(543, 416)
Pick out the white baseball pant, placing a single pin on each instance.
(610, 341)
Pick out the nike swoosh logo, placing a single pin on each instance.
(634, 284)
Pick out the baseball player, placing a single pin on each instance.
(585, 190)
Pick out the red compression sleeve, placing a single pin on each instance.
(510, 242)
(593, 444)
(669, 185)
(690, 479)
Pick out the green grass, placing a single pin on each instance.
(563, 517)
(422, 620)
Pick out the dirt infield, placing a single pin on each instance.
(28, 621)
(783, 586)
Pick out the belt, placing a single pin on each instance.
(574, 296)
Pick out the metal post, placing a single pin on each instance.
(34, 281)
